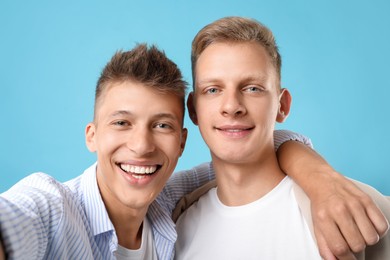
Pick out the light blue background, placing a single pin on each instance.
(335, 53)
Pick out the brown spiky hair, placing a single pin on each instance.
(146, 65)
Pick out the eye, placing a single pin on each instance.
(121, 123)
(163, 126)
(212, 90)
(253, 89)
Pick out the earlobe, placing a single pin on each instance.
(191, 108)
(284, 105)
(90, 130)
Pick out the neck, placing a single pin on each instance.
(128, 224)
(128, 229)
(240, 184)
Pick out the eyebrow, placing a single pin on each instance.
(121, 113)
(128, 113)
(245, 78)
(165, 115)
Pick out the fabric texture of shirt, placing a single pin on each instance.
(41, 218)
(271, 227)
(379, 251)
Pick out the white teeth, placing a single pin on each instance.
(138, 169)
(139, 176)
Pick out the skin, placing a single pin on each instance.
(227, 80)
(344, 217)
(134, 130)
(237, 103)
(127, 198)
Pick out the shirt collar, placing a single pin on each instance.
(94, 207)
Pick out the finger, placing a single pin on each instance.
(349, 228)
(366, 226)
(333, 237)
(377, 218)
(369, 218)
(323, 248)
(351, 233)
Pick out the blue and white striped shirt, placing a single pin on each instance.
(41, 218)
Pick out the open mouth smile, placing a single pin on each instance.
(139, 171)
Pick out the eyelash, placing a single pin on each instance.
(214, 90)
(208, 91)
(253, 89)
(121, 123)
(163, 125)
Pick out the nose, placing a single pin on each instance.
(232, 104)
(141, 141)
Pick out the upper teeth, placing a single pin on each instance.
(233, 130)
(138, 169)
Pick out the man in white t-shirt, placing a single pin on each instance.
(253, 212)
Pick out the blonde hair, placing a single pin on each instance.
(237, 30)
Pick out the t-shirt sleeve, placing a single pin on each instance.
(282, 136)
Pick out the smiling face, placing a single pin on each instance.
(138, 136)
(236, 101)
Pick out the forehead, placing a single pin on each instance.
(139, 99)
(248, 58)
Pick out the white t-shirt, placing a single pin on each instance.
(147, 250)
(269, 228)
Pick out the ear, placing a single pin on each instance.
(284, 105)
(90, 131)
(183, 140)
(191, 108)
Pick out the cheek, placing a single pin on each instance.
(171, 146)
(107, 141)
(204, 112)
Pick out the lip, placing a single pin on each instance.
(234, 131)
(137, 173)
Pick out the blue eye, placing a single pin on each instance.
(212, 91)
(253, 89)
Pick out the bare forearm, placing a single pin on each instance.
(304, 165)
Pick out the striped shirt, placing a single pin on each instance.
(41, 218)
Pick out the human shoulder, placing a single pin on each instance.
(36, 183)
(38, 195)
(182, 183)
(30, 213)
(189, 199)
